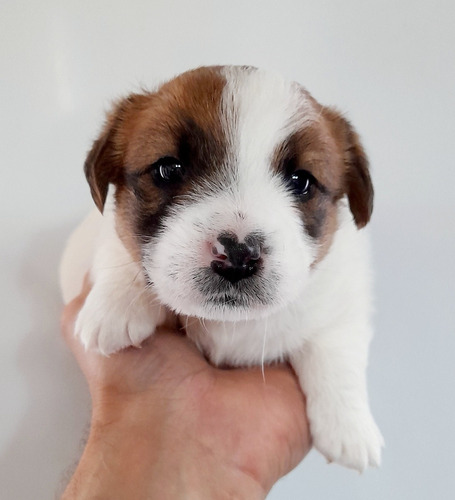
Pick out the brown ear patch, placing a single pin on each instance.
(358, 185)
(97, 168)
(358, 181)
(103, 164)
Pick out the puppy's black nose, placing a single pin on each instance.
(236, 261)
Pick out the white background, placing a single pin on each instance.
(390, 65)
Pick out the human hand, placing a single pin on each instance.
(167, 424)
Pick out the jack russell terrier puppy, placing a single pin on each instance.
(233, 203)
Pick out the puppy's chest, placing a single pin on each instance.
(248, 342)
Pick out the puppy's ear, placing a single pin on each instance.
(358, 185)
(99, 166)
(104, 163)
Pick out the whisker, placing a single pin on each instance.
(196, 320)
(204, 325)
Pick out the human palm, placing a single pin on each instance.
(246, 419)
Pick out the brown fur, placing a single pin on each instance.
(330, 150)
(357, 181)
(181, 120)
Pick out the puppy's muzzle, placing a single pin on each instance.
(234, 260)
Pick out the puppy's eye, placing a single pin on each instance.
(301, 183)
(167, 171)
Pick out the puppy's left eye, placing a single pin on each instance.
(301, 183)
(167, 171)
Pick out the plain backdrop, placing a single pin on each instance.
(390, 65)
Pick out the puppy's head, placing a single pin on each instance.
(228, 184)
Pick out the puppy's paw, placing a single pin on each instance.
(347, 436)
(112, 320)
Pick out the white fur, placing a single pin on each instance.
(260, 109)
(318, 317)
(119, 311)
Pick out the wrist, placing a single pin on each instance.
(115, 463)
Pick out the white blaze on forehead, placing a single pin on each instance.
(260, 110)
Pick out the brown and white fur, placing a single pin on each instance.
(233, 201)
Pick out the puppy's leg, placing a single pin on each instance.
(331, 369)
(119, 310)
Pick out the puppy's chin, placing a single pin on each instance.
(250, 299)
(230, 309)
(233, 314)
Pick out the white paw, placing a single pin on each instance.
(347, 436)
(112, 320)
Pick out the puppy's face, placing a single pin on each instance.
(228, 185)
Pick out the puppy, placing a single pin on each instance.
(236, 205)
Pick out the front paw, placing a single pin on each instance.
(347, 436)
(112, 320)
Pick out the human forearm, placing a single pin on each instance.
(115, 464)
(125, 459)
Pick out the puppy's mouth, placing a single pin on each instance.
(234, 275)
(245, 293)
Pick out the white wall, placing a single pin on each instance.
(389, 64)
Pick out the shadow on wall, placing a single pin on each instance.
(48, 438)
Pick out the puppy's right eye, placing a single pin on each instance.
(167, 171)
